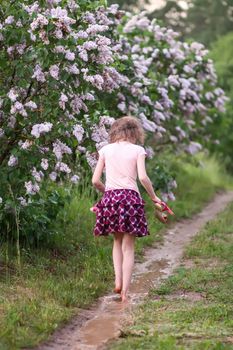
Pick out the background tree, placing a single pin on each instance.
(172, 14)
(204, 20)
(130, 4)
(222, 54)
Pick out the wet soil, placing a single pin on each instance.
(93, 328)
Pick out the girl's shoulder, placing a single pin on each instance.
(105, 148)
(140, 149)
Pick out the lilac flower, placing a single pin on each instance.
(53, 176)
(13, 95)
(72, 5)
(31, 9)
(88, 96)
(171, 196)
(173, 139)
(2, 132)
(73, 69)
(181, 132)
(91, 160)
(42, 128)
(22, 201)
(147, 124)
(58, 12)
(81, 35)
(113, 9)
(60, 148)
(122, 106)
(96, 28)
(44, 163)
(62, 101)
(25, 145)
(77, 104)
(38, 175)
(62, 167)
(89, 45)
(54, 71)
(193, 147)
(96, 80)
(18, 108)
(70, 55)
(81, 149)
(78, 132)
(0, 200)
(31, 188)
(31, 105)
(39, 21)
(89, 17)
(150, 152)
(106, 120)
(59, 49)
(209, 95)
(164, 196)
(174, 80)
(99, 133)
(158, 116)
(38, 74)
(83, 55)
(9, 20)
(146, 99)
(13, 161)
(137, 21)
(75, 179)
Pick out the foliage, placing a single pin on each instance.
(222, 53)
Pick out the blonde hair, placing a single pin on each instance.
(128, 129)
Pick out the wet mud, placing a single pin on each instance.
(93, 328)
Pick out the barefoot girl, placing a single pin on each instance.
(121, 209)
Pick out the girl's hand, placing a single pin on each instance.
(157, 200)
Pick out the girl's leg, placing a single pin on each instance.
(117, 260)
(128, 263)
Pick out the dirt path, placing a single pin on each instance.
(95, 327)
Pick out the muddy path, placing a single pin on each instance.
(93, 328)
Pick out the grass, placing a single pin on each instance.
(193, 309)
(53, 283)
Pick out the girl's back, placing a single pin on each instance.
(121, 164)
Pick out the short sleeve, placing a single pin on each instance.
(101, 153)
(141, 151)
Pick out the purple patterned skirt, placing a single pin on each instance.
(121, 210)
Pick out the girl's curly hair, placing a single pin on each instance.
(127, 129)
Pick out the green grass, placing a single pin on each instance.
(53, 283)
(203, 320)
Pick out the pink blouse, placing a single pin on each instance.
(121, 164)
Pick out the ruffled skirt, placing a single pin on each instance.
(121, 210)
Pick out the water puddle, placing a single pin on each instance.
(94, 328)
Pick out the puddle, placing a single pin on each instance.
(93, 328)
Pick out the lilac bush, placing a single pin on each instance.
(57, 61)
(69, 69)
(172, 85)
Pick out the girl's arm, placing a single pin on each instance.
(144, 179)
(97, 175)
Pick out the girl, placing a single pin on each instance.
(121, 209)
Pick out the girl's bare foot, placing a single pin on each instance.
(117, 290)
(124, 298)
